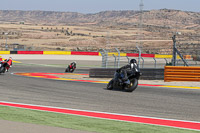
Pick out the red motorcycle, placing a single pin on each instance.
(71, 67)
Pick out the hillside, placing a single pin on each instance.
(154, 17)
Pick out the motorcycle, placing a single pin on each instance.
(129, 85)
(70, 68)
(3, 67)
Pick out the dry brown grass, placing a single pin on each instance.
(40, 37)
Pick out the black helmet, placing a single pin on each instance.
(133, 61)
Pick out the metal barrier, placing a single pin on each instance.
(147, 73)
(181, 73)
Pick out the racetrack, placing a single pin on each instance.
(172, 103)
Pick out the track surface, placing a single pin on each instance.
(183, 104)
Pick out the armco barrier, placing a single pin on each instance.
(181, 73)
(147, 73)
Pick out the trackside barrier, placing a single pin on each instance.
(147, 73)
(84, 53)
(181, 73)
(4, 52)
(57, 52)
(29, 52)
(91, 53)
(166, 56)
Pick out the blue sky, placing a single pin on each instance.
(94, 6)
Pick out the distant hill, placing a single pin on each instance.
(171, 18)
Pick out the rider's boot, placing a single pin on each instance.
(120, 81)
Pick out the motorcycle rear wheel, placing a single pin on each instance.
(67, 69)
(2, 69)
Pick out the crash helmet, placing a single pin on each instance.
(133, 61)
(73, 63)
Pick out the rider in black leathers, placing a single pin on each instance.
(73, 64)
(131, 67)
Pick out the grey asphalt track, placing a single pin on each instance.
(171, 103)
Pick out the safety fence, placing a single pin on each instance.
(181, 73)
(118, 59)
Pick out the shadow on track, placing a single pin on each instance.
(117, 89)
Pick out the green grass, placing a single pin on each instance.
(82, 123)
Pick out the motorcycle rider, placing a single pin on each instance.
(131, 67)
(9, 63)
(73, 64)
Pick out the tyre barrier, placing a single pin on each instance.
(181, 73)
(147, 73)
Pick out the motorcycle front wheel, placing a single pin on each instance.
(132, 86)
(72, 70)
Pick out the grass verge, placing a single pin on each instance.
(82, 123)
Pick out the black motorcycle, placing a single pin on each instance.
(128, 85)
(3, 67)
